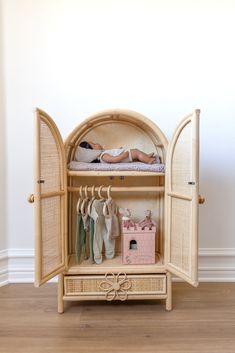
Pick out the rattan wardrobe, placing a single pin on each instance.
(172, 196)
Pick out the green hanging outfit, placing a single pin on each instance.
(80, 244)
(91, 237)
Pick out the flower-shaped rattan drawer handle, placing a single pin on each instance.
(115, 286)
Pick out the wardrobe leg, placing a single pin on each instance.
(169, 292)
(60, 294)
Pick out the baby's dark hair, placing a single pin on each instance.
(85, 144)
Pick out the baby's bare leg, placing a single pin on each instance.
(138, 155)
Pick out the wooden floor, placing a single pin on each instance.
(203, 320)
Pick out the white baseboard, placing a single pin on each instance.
(21, 265)
(215, 265)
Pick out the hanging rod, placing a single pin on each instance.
(124, 188)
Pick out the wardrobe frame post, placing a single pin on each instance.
(60, 293)
(169, 291)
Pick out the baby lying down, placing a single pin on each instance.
(91, 152)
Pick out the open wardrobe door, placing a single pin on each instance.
(50, 200)
(181, 200)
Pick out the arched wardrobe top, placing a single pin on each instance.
(118, 128)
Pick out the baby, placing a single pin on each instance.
(116, 155)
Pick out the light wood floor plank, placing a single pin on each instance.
(202, 320)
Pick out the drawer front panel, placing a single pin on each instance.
(115, 286)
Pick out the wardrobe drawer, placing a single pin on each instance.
(118, 286)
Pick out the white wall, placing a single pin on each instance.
(161, 58)
(3, 204)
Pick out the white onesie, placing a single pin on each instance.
(116, 152)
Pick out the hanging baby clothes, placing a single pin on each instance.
(85, 215)
(80, 244)
(91, 239)
(111, 219)
(91, 231)
(100, 233)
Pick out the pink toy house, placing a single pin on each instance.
(138, 245)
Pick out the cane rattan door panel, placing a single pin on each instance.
(50, 200)
(181, 221)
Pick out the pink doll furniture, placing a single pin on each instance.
(138, 244)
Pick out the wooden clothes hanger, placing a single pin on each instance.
(78, 209)
(106, 207)
(91, 200)
(109, 192)
(99, 193)
(85, 202)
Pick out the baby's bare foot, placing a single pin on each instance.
(152, 160)
(151, 154)
(155, 160)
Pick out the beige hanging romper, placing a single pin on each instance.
(111, 219)
(100, 233)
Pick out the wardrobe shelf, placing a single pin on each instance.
(95, 173)
(115, 265)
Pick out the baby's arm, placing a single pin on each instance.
(111, 159)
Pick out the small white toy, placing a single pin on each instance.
(126, 217)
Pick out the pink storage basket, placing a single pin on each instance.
(138, 246)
